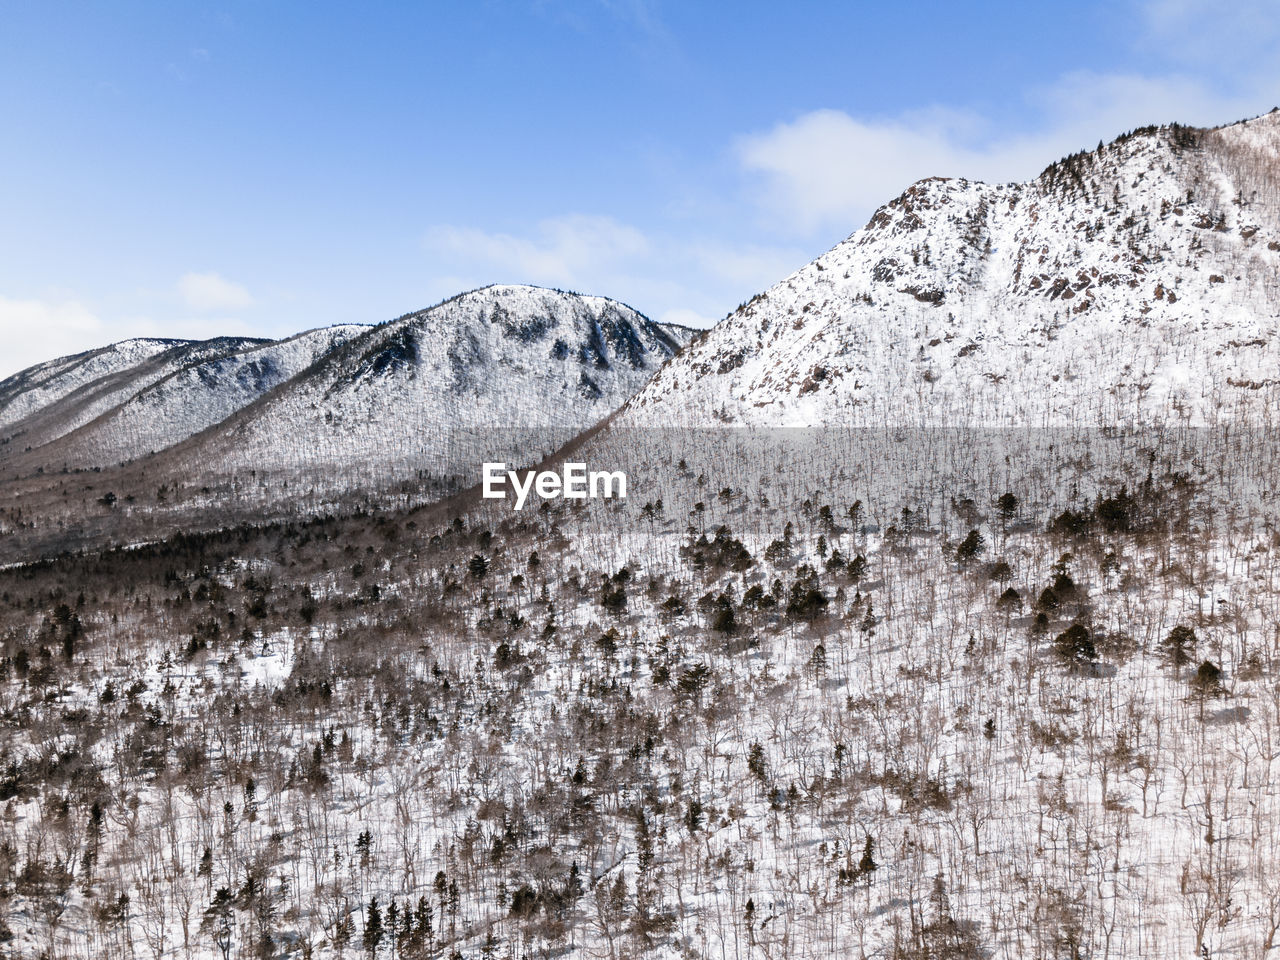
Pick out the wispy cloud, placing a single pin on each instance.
(1231, 39)
(828, 170)
(563, 251)
(688, 280)
(209, 292)
(39, 330)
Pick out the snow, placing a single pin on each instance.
(196, 397)
(28, 391)
(80, 392)
(505, 370)
(1105, 810)
(1105, 302)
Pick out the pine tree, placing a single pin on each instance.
(372, 927)
(1179, 646)
(970, 547)
(218, 920)
(818, 661)
(1208, 680)
(867, 864)
(644, 843)
(1008, 504)
(1074, 646)
(757, 764)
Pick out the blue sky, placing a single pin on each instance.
(185, 170)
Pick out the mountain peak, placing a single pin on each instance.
(1127, 284)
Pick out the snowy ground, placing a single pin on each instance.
(501, 770)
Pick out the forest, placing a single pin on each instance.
(872, 697)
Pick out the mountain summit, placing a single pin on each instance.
(497, 359)
(494, 360)
(1134, 282)
(183, 430)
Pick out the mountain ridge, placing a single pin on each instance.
(402, 412)
(955, 288)
(121, 431)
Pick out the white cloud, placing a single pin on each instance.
(36, 330)
(1088, 107)
(682, 280)
(211, 291)
(829, 170)
(561, 252)
(1235, 38)
(745, 264)
(815, 179)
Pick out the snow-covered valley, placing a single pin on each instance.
(939, 619)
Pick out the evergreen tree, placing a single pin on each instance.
(1208, 680)
(219, 920)
(372, 927)
(1179, 646)
(867, 864)
(818, 661)
(972, 545)
(1074, 646)
(1008, 504)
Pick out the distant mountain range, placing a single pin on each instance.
(183, 433)
(145, 401)
(501, 358)
(1131, 285)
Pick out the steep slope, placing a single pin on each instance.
(493, 369)
(49, 401)
(27, 391)
(1137, 282)
(196, 397)
(326, 423)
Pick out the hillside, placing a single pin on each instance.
(25, 392)
(1135, 283)
(951, 673)
(193, 398)
(46, 402)
(327, 421)
(496, 365)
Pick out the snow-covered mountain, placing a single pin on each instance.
(42, 403)
(45, 383)
(802, 693)
(1139, 281)
(505, 372)
(196, 397)
(488, 370)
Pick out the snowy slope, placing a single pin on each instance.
(197, 397)
(27, 391)
(1137, 282)
(326, 422)
(54, 399)
(492, 367)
